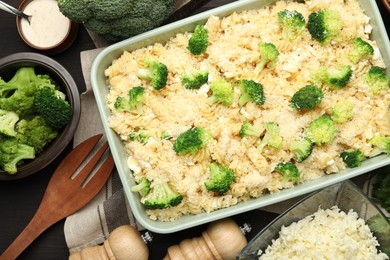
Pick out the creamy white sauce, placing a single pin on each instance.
(48, 25)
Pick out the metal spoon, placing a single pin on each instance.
(6, 7)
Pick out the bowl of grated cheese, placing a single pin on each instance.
(337, 222)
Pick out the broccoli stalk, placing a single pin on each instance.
(301, 148)
(13, 153)
(198, 42)
(192, 140)
(381, 144)
(142, 187)
(272, 136)
(307, 98)
(247, 129)
(220, 178)
(292, 23)
(134, 102)
(222, 93)
(321, 130)
(268, 56)
(162, 196)
(352, 158)
(154, 71)
(194, 79)
(324, 25)
(334, 78)
(376, 79)
(251, 91)
(289, 172)
(342, 111)
(360, 50)
(8, 120)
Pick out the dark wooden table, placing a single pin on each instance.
(20, 199)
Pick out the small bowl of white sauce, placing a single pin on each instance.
(48, 30)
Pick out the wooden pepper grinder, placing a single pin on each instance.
(124, 242)
(223, 239)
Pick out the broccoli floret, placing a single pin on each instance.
(190, 141)
(381, 189)
(220, 178)
(268, 56)
(162, 196)
(141, 136)
(56, 111)
(381, 143)
(353, 158)
(74, 9)
(322, 130)
(342, 111)
(35, 132)
(324, 25)
(301, 148)
(289, 172)
(376, 79)
(334, 78)
(199, 40)
(12, 154)
(142, 187)
(292, 23)
(154, 71)
(222, 93)
(251, 91)
(247, 129)
(8, 120)
(360, 50)
(272, 136)
(194, 79)
(166, 135)
(134, 102)
(307, 97)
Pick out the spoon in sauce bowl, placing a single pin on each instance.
(10, 9)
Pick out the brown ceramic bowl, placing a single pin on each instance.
(44, 65)
(60, 45)
(386, 3)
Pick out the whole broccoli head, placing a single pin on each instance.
(292, 23)
(142, 187)
(49, 104)
(321, 130)
(222, 92)
(289, 172)
(35, 132)
(120, 19)
(199, 40)
(335, 78)
(12, 154)
(376, 79)
(190, 141)
(342, 111)
(272, 136)
(156, 72)
(8, 120)
(324, 25)
(360, 50)
(133, 103)
(301, 148)
(247, 129)
(220, 178)
(251, 91)
(353, 158)
(194, 79)
(162, 196)
(268, 56)
(307, 98)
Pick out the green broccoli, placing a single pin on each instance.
(199, 40)
(140, 135)
(12, 154)
(268, 56)
(142, 187)
(134, 102)
(342, 111)
(247, 129)
(321, 130)
(272, 136)
(162, 196)
(8, 120)
(307, 97)
(324, 25)
(381, 143)
(166, 135)
(381, 189)
(353, 158)
(334, 78)
(301, 148)
(360, 50)
(56, 111)
(292, 23)
(190, 141)
(251, 91)
(35, 132)
(154, 71)
(194, 79)
(222, 92)
(289, 172)
(381, 228)
(220, 178)
(376, 79)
